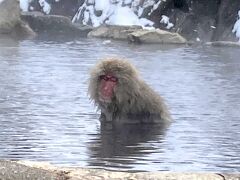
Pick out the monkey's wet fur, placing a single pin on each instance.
(123, 97)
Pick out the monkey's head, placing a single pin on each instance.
(113, 79)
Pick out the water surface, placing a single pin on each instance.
(46, 115)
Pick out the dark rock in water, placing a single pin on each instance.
(10, 22)
(54, 25)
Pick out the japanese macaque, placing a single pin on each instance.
(122, 97)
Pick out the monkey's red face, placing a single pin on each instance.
(107, 85)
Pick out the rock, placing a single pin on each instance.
(205, 20)
(113, 32)
(230, 176)
(224, 44)
(37, 170)
(136, 34)
(54, 25)
(226, 18)
(196, 20)
(14, 170)
(10, 22)
(156, 36)
(66, 8)
(196, 23)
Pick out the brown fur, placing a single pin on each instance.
(133, 102)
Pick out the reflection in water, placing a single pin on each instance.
(123, 145)
(46, 115)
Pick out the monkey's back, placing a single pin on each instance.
(148, 106)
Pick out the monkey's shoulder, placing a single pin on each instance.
(149, 106)
(149, 97)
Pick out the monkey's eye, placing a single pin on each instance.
(113, 79)
(108, 78)
(104, 77)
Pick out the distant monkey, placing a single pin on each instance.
(120, 94)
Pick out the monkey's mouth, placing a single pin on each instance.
(105, 99)
(108, 84)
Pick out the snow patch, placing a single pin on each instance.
(31, 8)
(123, 16)
(114, 12)
(24, 4)
(46, 7)
(155, 6)
(165, 20)
(140, 11)
(101, 4)
(236, 27)
(106, 42)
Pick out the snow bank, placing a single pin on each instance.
(115, 12)
(236, 28)
(123, 16)
(46, 7)
(100, 4)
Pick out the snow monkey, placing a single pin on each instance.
(122, 97)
